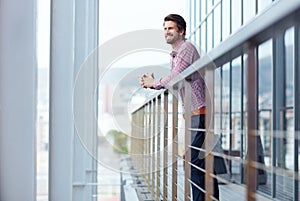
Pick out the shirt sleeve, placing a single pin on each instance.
(182, 60)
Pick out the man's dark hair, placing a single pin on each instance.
(181, 24)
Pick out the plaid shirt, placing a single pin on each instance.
(182, 57)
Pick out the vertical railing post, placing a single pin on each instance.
(252, 93)
(133, 133)
(187, 141)
(174, 141)
(153, 144)
(209, 134)
(140, 139)
(158, 168)
(143, 141)
(165, 163)
(149, 144)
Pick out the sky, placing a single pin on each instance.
(120, 17)
(116, 17)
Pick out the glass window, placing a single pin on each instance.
(236, 101)
(248, 10)
(225, 106)
(210, 34)
(289, 94)
(225, 19)
(217, 25)
(265, 96)
(217, 101)
(265, 83)
(203, 9)
(262, 4)
(197, 13)
(203, 37)
(289, 63)
(236, 15)
(42, 124)
(192, 18)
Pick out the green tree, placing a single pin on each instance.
(119, 140)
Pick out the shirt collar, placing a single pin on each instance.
(175, 50)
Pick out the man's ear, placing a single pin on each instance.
(181, 32)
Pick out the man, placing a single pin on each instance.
(182, 56)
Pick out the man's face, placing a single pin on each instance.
(172, 34)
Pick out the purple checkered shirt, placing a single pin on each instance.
(181, 58)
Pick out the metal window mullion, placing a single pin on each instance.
(242, 119)
(174, 142)
(296, 109)
(230, 117)
(242, 12)
(256, 7)
(278, 100)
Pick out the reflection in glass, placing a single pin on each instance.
(265, 96)
(209, 33)
(217, 25)
(236, 15)
(248, 10)
(289, 97)
(225, 19)
(203, 37)
(225, 106)
(217, 100)
(265, 79)
(262, 4)
(236, 103)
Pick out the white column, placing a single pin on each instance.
(80, 54)
(85, 140)
(93, 33)
(18, 69)
(61, 99)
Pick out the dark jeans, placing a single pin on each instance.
(197, 176)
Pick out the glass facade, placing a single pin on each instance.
(213, 22)
(250, 59)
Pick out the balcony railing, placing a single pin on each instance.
(160, 136)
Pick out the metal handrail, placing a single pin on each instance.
(246, 39)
